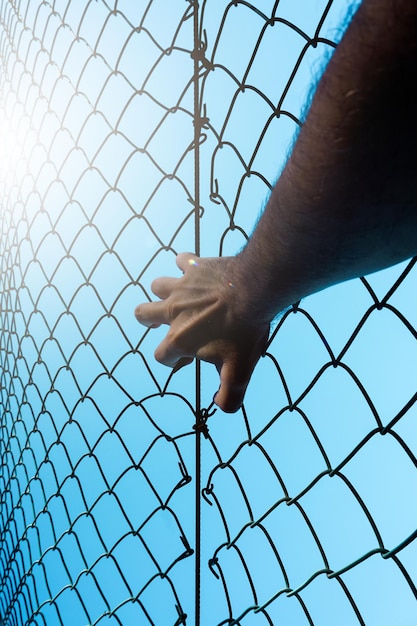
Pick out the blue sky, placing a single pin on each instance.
(97, 184)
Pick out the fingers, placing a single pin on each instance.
(236, 369)
(182, 363)
(162, 287)
(200, 331)
(152, 314)
(234, 378)
(169, 354)
(186, 259)
(232, 389)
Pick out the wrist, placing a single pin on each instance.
(253, 289)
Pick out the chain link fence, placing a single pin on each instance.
(130, 131)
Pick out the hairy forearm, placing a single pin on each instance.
(345, 204)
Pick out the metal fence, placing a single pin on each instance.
(130, 131)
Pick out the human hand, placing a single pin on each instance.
(210, 320)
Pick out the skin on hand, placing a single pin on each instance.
(205, 311)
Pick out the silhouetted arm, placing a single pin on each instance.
(344, 206)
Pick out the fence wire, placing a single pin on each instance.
(131, 131)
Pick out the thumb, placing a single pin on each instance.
(233, 384)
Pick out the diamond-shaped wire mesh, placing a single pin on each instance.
(131, 131)
(93, 458)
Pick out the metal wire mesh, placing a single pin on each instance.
(130, 131)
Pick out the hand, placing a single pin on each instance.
(205, 309)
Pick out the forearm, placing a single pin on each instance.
(345, 204)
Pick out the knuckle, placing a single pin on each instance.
(171, 311)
